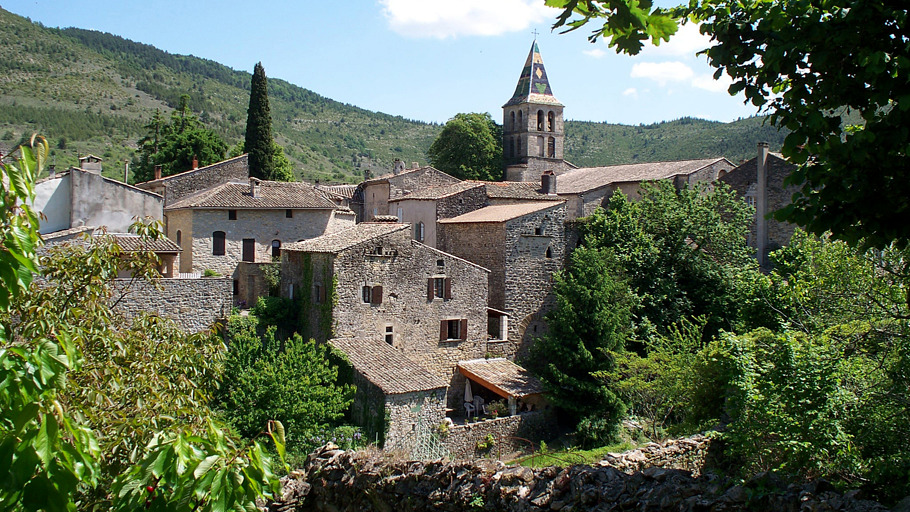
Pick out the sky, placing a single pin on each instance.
(421, 59)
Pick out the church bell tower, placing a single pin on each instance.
(533, 132)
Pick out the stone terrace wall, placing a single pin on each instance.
(334, 480)
(194, 304)
(462, 440)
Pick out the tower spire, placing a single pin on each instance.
(533, 85)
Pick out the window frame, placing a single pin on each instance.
(219, 243)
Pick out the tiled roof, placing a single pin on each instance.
(499, 213)
(591, 178)
(533, 85)
(516, 190)
(347, 238)
(193, 171)
(272, 194)
(386, 367)
(133, 243)
(65, 233)
(434, 193)
(343, 191)
(385, 177)
(504, 375)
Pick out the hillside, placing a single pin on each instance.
(93, 92)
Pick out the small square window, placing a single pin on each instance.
(440, 263)
(538, 231)
(289, 214)
(389, 335)
(366, 294)
(232, 214)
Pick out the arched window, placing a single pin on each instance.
(419, 232)
(520, 125)
(512, 123)
(276, 249)
(549, 253)
(540, 145)
(551, 148)
(179, 237)
(551, 121)
(540, 120)
(218, 243)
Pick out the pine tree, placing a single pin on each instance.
(259, 127)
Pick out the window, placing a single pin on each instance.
(456, 329)
(179, 237)
(276, 249)
(371, 295)
(550, 121)
(249, 250)
(289, 214)
(520, 125)
(540, 120)
(389, 334)
(549, 253)
(440, 263)
(318, 293)
(439, 288)
(419, 232)
(236, 287)
(538, 231)
(218, 243)
(518, 146)
(232, 214)
(512, 124)
(540, 146)
(551, 148)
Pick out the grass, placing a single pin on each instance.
(572, 456)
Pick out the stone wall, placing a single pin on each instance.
(531, 171)
(510, 434)
(461, 203)
(407, 412)
(334, 480)
(194, 304)
(480, 243)
(250, 283)
(529, 273)
(178, 186)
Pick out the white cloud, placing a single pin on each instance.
(708, 83)
(686, 41)
(663, 72)
(452, 18)
(596, 53)
(631, 91)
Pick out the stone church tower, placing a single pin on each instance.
(533, 133)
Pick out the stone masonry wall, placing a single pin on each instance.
(529, 273)
(406, 410)
(194, 304)
(408, 182)
(334, 480)
(481, 244)
(261, 225)
(461, 203)
(510, 433)
(184, 184)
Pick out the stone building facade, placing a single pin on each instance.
(374, 282)
(523, 245)
(184, 184)
(377, 192)
(193, 304)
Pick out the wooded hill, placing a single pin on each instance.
(93, 92)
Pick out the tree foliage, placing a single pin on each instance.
(173, 145)
(258, 142)
(591, 318)
(808, 64)
(469, 148)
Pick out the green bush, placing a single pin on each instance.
(599, 430)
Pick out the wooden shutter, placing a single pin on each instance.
(430, 290)
(377, 295)
(464, 329)
(443, 330)
(448, 291)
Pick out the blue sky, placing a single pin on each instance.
(421, 59)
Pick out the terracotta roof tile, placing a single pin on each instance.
(516, 190)
(343, 191)
(386, 367)
(133, 243)
(500, 213)
(272, 194)
(506, 376)
(346, 238)
(434, 193)
(591, 178)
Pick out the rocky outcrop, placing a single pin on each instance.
(335, 480)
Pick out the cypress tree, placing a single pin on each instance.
(258, 141)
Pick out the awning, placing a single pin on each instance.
(501, 376)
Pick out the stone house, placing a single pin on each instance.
(760, 182)
(222, 226)
(376, 193)
(373, 281)
(587, 188)
(180, 185)
(77, 198)
(523, 245)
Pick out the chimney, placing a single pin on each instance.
(51, 169)
(195, 162)
(157, 172)
(397, 167)
(415, 165)
(548, 183)
(761, 204)
(254, 187)
(126, 171)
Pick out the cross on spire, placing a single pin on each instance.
(535, 34)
